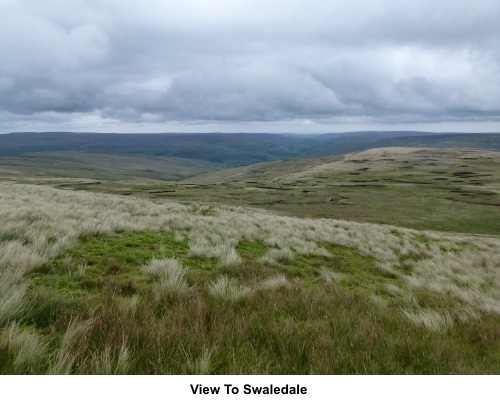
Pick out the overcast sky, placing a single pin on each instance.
(249, 65)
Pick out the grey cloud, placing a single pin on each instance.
(252, 60)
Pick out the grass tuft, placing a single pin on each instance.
(226, 289)
(168, 273)
(274, 256)
(430, 319)
(275, 282)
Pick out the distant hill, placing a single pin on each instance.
(338, 144)
(102, 167)
(462, 141)
(334, 167)
(235, 149)
(229, 149)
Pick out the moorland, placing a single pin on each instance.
(250, 254)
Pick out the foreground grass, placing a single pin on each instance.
(102, 284)
(93, 310)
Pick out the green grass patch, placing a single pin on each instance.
(252, 250)
(310, 326)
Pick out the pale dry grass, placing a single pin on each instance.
(82, 269)
(48, 221)
(168, 273)
(28, 349)
(386, 158)
(275, 282)
(110, 362)
(72, 343)
(432, 320)
(202, 365)
(12, 293)
(379, 301)
(230, 258)
(227, 289)
(274, 256)
(330, 276)
(209, 249)
(127, 306)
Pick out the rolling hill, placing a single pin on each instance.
(451, 190)
(228, 149)
(97, 166)
(236, 149)
(337, 144)
(462, 141)
(279, 267)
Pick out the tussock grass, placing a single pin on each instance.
(274, 256)
(230, 258)
(110, 308)
(109, 362)
(204, 250)
(12, 293)
(127, 306)
(227, 289)
(202, 365)
(430, 319)
(25, 349)
(330, 276)
(169, 274)
(275, 282)
(72, 343)
(379, 301)
(224, 252)
(82, 269)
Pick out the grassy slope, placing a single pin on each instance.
(476, 141)
(337, 144)
(227, 149)
(235, 149)
(447, 190)
(296, 296)
(102, 166)
(93, 308)
(303, 325)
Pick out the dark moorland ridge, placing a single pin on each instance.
(229, 149)
(235, 149)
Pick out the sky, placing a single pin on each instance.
(303, 66)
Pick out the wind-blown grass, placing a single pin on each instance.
(227, 289)
(83, 318)
(169, 275)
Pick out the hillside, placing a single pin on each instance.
(101, 166)
(342, 143)
(276, 268)
(462, 141)
(450, 190)
(100, 284)
(358, 163)
(337, 144)
(228, 149)
(237, 149)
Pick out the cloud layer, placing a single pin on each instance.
(92, 63)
